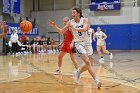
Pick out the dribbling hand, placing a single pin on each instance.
(71, 45)
(51, 23)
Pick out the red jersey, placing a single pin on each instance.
(68, 37)
(23, 38)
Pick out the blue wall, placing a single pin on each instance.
(121, 36)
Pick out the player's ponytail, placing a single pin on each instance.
(104, 30)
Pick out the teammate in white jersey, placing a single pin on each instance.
(79, 27)
(90, 33)
(101, 44)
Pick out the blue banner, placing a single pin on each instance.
(16, 8)
(33, 32)
(11, 6)
(106, 5)
(7, 6)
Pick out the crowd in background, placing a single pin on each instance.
(23, 45)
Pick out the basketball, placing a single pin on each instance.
(25, 26)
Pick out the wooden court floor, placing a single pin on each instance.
(33, 73)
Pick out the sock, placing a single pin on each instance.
(77, 69)
(97, 80)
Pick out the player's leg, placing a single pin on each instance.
(89, 50)
(107, 52)
(73, 58)
(87, 66)
(60, 57)
(34, 48)
(101, 60)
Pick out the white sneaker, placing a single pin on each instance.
(76, 76)
(57, 72)
(101, 60)
(111, 56)
(98, 83)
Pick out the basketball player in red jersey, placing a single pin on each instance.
(4, 27)
(66, 47)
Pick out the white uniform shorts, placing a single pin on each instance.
(101, 43)
(84, 48)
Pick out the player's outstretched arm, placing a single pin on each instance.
(53, 24)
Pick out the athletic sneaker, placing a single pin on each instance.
(98, 83)
(111, 55)
(57, 72)
(76, 76)
(101, 60)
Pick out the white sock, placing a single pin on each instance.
(97, 80)
(77, 69)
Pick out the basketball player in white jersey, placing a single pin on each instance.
(79, 27)
(90, 33)
(101, 44)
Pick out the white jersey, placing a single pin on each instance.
(79, 36)
(99, 36)
(90, 34)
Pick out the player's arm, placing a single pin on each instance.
(61, 43)
(72, 43)
(104, 36)
(93, 32)
(59, 30)
(85, 26)
(94, 36)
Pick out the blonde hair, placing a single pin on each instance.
(67, 18)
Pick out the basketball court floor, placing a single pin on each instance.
(33, 73)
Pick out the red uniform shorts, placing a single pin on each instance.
(66, 48)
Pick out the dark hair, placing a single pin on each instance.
(104, 30)
(78, 11)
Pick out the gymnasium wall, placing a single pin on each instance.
(122, 27)
(44, 29)
(121, 36)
